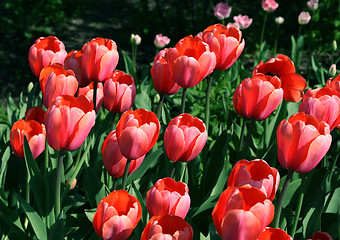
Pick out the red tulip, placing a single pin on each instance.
(324, 104)
(114, 161)
(274, 234)
(56, 81)
(88, 91)
(256, 173)
(334, 83)
(167, 227)
(35, 134)
(46, 51)
(242, 213)
(302, 141)
(283, 67)
(226, 43)
(184, 138)
(258, 97)
(168, 197)
(190, 61)
(321, 236)
(73, 61)
(119, 92)
(35, 113)
(100, 58)
(117, 215)
(163, 81)
(68, 122)
(137, 131)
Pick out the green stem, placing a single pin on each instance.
(263, 29)
(184, 94)
(276, 39)
(242, 135)
(281, 198)
(173, 170)
(299, 206)
(159, 106)
(95, 86)
(46, 167)
(27, 188)
(115, 180)
(126, 172)
(207, 103)
(113, 121)
(58, 183)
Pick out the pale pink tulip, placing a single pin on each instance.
(269, 5)
(304, 18)
(243, 21)
(161, 41)
(222, 10)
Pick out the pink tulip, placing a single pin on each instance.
(161, 41)
(313, 4)
(222, 10)
(168, 197)
(243, 21)
(88, 91)
(68, 122)
(119, 92)
(46, 51)
(269, 5)
(135, 39)
(73, 61)
(304, 18)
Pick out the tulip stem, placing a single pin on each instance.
(281, 198)
(249, 132)
(46, 163)
(173, 170)
(113, 121)
(263, 29)
(207, 103)
(184, 94)
(126, 171)
(159, 106)
(58, 183)
(95, 86)
(114, 184)
(298, 208)
(242, 135)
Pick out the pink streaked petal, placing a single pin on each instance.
(133, 142)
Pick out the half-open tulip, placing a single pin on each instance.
(168, 197)
(334, 83)
(163, 81)
(274, 234)
(167, 228)
(35, 113)
(114, 161)
(68, 122)
(117, 215)
(324, 104)
(46, 51)
(137, 131)
(302, 141)
(283, 67)
(258, 97)
(119, 92)
(35, 134)
(242, 213)
(73, 61)
(88, 91)
(100, 58)
(190, 61)
(256, 173)
(226, 43)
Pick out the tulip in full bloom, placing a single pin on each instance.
(256, 173)
(167, 227)
(304, 18)
(88, 91)
(222, 10)
(161, 41)
(269, 5)
(35, 113)
(190, 61)
(242, 213)
(274, 234)
(243, 21)
(114, 161)
(100, 58)
(68, 122)
(73, 61)
(283, 67)
(46, 51)
(168, 197)
(258, 97)
(137, 131)
(117, 215)
(324, 104)
(184, 138)
(226, 43)
(119, 92)
(302, 141)
(56, 81)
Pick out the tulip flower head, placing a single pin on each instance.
(88, 92)
(302, 141)
(332, 70)
(168, 197)
(222, 10)
(161, 41)
(137, 132)
(279, 20)
(184, 138)
(334, 83)
(35, 113)
(313, 4)
(304, 18)
(269, 5)
(226, 43)
(321, 236)
(73, 61)
(274, 234)
(68, 122)
(117, 215)
(242, 213)
(135, 39)
(167, 227)
(243, 21)
(46, 51)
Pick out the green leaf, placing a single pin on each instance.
(206, 205)
(90, 213)
(333, 201)
(57, 229)
(94, 188)
(143, 100)
(128, 64)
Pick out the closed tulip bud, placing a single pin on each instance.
(335, 45)
(119, 92)
(226, 43)
(242, 213)
(258, 97)
(332, 70)
(73, 184)
(46, 51)
(88, 92)
(35, 134)
(117, 215)
(100, 58)
(30, 87)
(274, 234)
(114, 161)
(184, 138)
(137, 132)
(279, 20)
(166, 228)
(256, 173)
(68, 122)
(168, 197)
(35, 113)
(302, 141)
(135, 39)
(73, 61)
